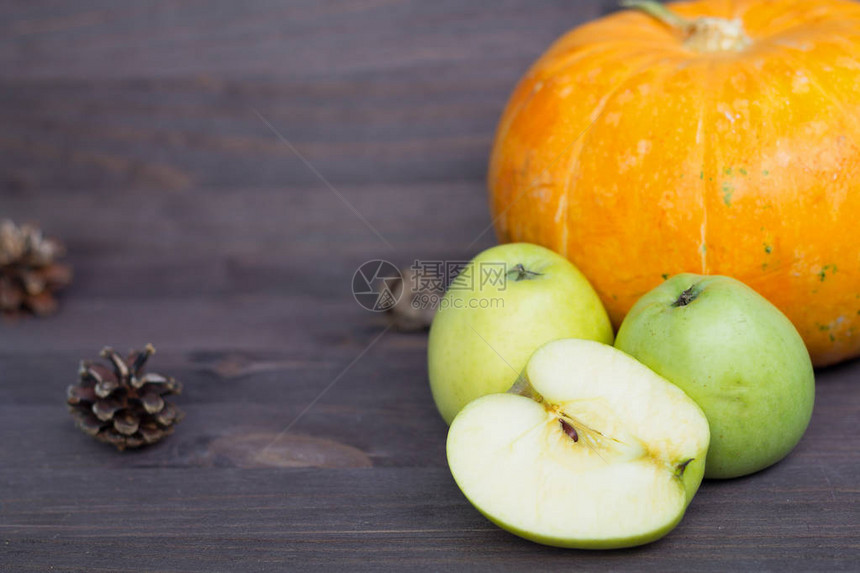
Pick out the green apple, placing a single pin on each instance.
(589, 449)
(737, 356)
(488, 324)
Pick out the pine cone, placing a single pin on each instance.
(122, 405)
(29, 274)
(415, 303)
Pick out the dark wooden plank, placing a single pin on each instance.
(300, 241)
(391, 518)
(240, 402)
(179, 134)
(301, 38)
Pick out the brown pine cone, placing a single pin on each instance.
(415, 303)
(29, 273)
(122, 405)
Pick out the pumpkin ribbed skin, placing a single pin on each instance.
(639, 158)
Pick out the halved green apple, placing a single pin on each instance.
(589, 449)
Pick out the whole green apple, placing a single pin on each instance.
(737, 356)
(504, 304)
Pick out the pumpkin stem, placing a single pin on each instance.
(660, 12)
(703, 34)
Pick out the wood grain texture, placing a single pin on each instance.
(129, 130)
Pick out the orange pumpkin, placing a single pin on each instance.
(717, 137)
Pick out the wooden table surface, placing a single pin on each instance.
(137, 132)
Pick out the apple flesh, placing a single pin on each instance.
(485, 331)
(590, 449)
(737, 356)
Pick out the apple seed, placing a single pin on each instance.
(569, 430)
